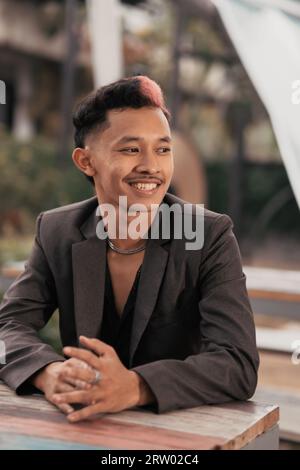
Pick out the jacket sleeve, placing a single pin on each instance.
(26, 307)
(225, 368)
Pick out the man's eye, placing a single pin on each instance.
(164, 149)
(130, 149)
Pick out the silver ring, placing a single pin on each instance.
(97, 378)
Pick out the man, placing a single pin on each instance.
(144, 323)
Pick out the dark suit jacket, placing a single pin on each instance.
(193, 336)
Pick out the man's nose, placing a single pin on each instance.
(148, 163)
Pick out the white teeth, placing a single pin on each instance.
(145, 186)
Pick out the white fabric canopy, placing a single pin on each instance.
(266, 35)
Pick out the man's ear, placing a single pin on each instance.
(82, 159)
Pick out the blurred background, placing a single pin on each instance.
(53, 53)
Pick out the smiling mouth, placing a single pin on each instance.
(145, 186)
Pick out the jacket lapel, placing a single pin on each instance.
(89, 262)
(152, 273)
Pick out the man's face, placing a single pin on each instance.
(132, 157)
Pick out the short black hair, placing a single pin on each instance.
(132, 92)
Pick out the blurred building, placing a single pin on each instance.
(32, 51)
(181, 44)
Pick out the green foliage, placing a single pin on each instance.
(261, 183)
(14, 248)
(50, 333)
(32, 180)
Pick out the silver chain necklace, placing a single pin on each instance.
(124, 251)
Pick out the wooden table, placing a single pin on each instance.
(289, 403)
(280, 284)
(274, 292)
(30, 422)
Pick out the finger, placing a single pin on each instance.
(86, 356)
(84, 413)
(65, 408)
(70, 376)
(78, 396)
(63, 387)
(85, 376)
(76, 383)
(78, 363)
(99, 347)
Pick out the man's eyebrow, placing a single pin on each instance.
(166, 139)
(130, 138)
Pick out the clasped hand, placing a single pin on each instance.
(73, 381)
